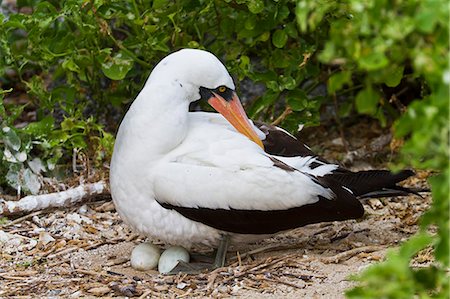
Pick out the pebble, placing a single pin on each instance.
(375, 203)
(169, 259)
(145, 257)
(45, 238)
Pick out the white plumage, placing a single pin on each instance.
(163, 153)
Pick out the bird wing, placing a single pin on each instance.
(369, 183)
(219, 177)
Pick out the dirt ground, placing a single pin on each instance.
(83, 251)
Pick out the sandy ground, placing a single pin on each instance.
(84, 251)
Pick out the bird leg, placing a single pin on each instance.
(197, 267)
(221, 253)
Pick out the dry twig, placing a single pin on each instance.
(286, 112)
(278, 280)
(350, 253)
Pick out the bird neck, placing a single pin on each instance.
(158, 120)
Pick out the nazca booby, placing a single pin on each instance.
(195, 177)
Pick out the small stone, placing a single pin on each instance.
(45, 238)
(83, 209)
(76, 294)
(169, 259)
(126, 290)
(73, 217)
(337, 141)
(375, 203)
(145, 257)
(36, 220)
(4, 237)
(99, 291)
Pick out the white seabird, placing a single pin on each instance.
(205, 178)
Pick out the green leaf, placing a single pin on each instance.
(297, 100)
(13, 175)
(279, 59)
(30, 182)
(287, 82)
(255, 6)
(11, 139)
(68, 124)
(345, 108)
(250, 23)
(373, 61)
(394, 77)
(117, 67)
(291, 30)
(40, 128)
(425, 18)
(262, 103)
(77, 141)
(159, 4)
(16, 21)
(337, 81)
(413, 245)
(367, 101)
(70, 65)
(279, 38)
(244, 62)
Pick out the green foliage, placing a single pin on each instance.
(376, 42)
(78, 59)
(86, 48)
(34, 150)
(395, 279)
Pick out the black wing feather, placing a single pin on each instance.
(364, 184)
(342, 207)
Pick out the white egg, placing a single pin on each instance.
(145, 257)
(169, 258)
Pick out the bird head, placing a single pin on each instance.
(202, 76)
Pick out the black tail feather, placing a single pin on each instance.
(393, 192)
(375, 183)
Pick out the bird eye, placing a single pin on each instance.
(222, 89)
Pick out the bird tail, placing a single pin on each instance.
(376, 183)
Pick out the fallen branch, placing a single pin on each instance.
(66, 198)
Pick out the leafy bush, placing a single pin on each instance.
(81, 62)
(79, 58)
(379, 41)
(29, 153)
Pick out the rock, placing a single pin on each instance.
(169, 259)
(145, 257)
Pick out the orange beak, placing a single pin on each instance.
(234, 112)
